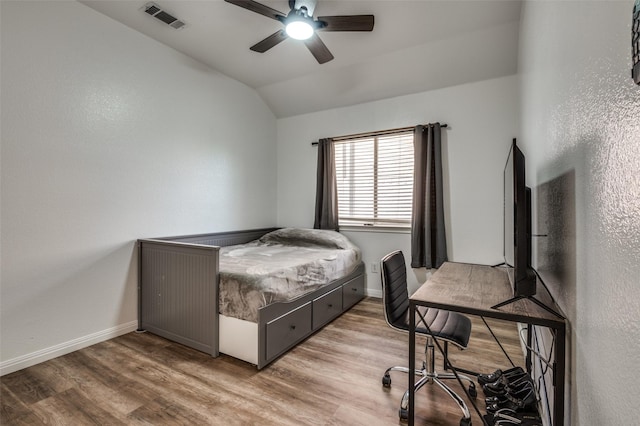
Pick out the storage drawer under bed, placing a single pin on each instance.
(287, 330)
(352, 292)
(327, 307)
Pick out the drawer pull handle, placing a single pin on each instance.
(292, 327)
(354, 289)
(330, 305)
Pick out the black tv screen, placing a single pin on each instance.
(509, 203)
(517, 224)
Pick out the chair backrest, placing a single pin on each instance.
(394, 288)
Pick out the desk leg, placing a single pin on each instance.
(529, 345)
(412, 361)
(559, 377)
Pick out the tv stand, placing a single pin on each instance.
(533, 299)
(530, 288)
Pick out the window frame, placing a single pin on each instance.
(375, 222)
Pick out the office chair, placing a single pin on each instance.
(444, 325)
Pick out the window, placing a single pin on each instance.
(374, 176)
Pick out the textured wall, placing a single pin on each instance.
(109, 136)
(581, 132)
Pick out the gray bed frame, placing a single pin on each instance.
(178, 296)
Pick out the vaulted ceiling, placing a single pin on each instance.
(415, 46)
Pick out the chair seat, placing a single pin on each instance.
(444, 325)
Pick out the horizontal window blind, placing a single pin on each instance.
(375, 180)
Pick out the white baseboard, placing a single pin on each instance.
(373, 293)
(46, 354)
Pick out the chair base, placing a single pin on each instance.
(425, 378)
(428, 374)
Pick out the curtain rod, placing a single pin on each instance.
(380, 133)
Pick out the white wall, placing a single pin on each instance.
(109, 136)
(581, 118)
(482, 119)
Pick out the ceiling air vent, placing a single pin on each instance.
(155, 11)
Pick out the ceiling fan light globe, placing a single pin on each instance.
(299, 30)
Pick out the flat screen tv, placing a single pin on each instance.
(518, 232)
(517, 225)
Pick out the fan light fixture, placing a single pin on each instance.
(301, 24)
(299, 29)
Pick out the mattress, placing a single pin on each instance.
(281, 266)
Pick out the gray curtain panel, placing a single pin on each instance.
(428, 239)
(326, 215)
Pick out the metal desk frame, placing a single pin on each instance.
(474, 289)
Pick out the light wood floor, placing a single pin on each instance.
(333, 378)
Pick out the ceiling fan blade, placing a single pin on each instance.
(318, 49)
(269, 42)
(347, 23)
(256, 7)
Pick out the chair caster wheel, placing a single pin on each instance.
(465, 421)
(386, 380)
(473, 392)
(403, 414)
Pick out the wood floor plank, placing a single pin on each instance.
(14, 411)
(118, 394)
(27, 387)
(71, 407)
(161, 411)
(332, 378)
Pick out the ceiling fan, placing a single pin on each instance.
(300, 24)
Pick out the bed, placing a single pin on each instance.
(249, 294)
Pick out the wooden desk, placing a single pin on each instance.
(474, 289)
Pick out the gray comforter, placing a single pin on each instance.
(281, 266)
